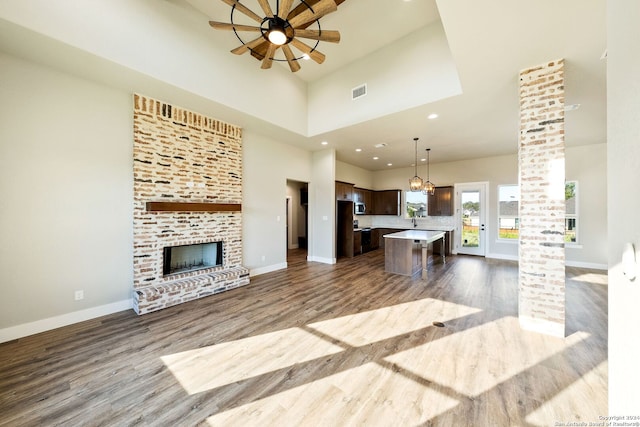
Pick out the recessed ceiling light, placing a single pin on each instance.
(358, 150)
(432, 116)
(324, 143)
(376, 158)
(381, 145)
(423, 160)
(389, 164)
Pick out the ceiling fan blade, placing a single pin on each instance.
(313, 54)
(242, 8)
(264, 4)
(324, 35)
(268, 59)
(291, 59)
(285, 7)
(237, 27)
(249, 45)
(319, 10)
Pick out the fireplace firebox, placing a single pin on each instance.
(187, 258)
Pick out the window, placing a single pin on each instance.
(415, 204)
(508, 221)
(571, 214)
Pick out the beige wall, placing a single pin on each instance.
(267, 165)
(352, 174)
(67, 188)
(623, 153)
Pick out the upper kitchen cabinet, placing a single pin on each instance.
(386, 202)
(344, 191)
(441, 202)
(362, 195)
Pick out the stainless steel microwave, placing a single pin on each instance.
(359, 208)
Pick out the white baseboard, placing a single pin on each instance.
(267, 269)
(26, 329)
(322, 260)
(503, 256)
(592, 265)
(578, 264)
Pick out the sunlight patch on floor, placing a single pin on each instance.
(209, 367)
(592, 278)
(475, 360)
(580, 401)
(366, 395)
(376, 325)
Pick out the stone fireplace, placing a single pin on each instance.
(187, 205)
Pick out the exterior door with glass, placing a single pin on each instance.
(471, 230)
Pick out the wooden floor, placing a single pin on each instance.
(323, 345)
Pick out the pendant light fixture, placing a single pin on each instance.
(428, 187)
(416, 183)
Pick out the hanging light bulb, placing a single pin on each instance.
(416, 183)
(428, 187)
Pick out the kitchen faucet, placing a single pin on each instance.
(415, 223)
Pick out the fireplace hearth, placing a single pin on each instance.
(187, 258)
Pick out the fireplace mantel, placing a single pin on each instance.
(192, 207)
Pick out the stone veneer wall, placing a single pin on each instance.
(542, 199)
(182, 156)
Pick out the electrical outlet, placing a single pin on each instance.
(79, 295)
(264, 257)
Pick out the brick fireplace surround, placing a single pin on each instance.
(183, 157)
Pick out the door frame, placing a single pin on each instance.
(485, 229)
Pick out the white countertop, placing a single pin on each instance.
(419, 228)
(422, 235)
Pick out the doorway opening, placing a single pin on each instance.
(297, 224)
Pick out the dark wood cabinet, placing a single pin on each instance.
(362, 195)
(403, 257)
(344, 229)
(441, 202)
(375, 239)
(357, 242)
(344, 191)
(386, 202)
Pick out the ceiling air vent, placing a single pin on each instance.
(358, 92)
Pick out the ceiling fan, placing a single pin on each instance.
(282, 28)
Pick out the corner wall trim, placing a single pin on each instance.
(43, 325)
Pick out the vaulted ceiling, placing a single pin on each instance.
(457, 58)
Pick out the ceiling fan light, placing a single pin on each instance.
(277, 37)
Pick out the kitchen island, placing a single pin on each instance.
(406, 252)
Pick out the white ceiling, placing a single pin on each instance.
(490, 42)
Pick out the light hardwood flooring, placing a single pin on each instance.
(323, 345)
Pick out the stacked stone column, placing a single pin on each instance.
(542, 199)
